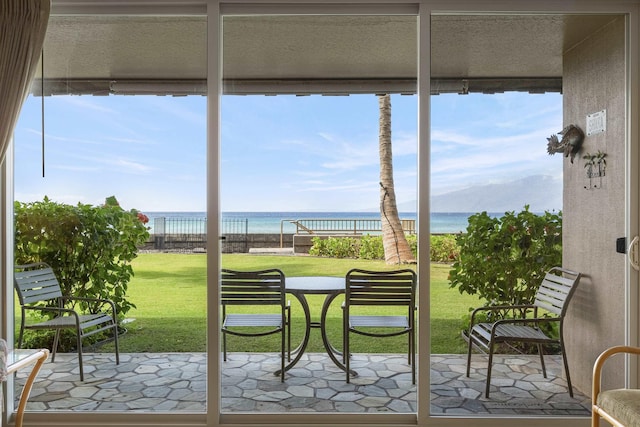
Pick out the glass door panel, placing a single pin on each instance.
(123, 149)
(300, 167)
(502, 93)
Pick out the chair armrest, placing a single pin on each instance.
(52, 309)
(528, 320)
(87, 299)
(499, 308)
(599, 364)
(103, 300)
(516, 321)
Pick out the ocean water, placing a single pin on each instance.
(273, 222)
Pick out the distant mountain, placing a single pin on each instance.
(540, 192)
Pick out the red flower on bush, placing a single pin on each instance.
(143, 218)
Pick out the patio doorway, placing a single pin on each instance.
(495, 163)
(593, 218)
(289, 160)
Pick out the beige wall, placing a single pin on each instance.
(593, 80)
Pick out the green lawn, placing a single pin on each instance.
(169, 291)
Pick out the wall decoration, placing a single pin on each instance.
(572, 137)
(595, 164)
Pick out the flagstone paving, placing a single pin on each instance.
(177, 382)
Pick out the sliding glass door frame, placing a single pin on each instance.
(215, 11)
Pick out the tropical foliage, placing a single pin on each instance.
(90, 248)
(444, 248)
(503, 260)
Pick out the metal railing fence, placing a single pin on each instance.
(342, 226)
(345, 226)
(190, 234)
(180, 233)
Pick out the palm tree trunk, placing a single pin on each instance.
(396, 247)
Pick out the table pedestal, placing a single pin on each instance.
(300, 287)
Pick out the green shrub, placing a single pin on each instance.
(319, 247)
(371, 247)
(335, 247)
(502, 260)
(366, 247)
(90, 248)
(444, 248)
(412, 239)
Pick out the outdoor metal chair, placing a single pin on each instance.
(38, 289)
(619, 407)
(550, 306)
(380, 288)
(256, 288)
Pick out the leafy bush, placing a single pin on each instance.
(366, 247)
(502, 260)
(90, 248)
(444, 248)
(371, 247)
(335, 247)
(412, 239)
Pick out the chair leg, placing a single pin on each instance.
(54, 348)
(344, 340)
(541, 353)
(224, 334)
(346, 351)
(469, 352)
(566, 365)
(413, 354)
(224, 346)
(282, 353)
(115, 343)
(486, 392)
(21, 334)
(79, 345)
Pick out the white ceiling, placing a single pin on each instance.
(310, 54)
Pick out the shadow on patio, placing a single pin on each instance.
(177, 382)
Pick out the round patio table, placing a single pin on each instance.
(300, 287)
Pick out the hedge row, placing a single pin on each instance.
(443, 247)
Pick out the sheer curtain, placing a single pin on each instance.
(23, 24)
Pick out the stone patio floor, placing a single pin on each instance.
(177, 382)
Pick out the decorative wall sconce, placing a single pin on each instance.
(572, 137)
(595, 164)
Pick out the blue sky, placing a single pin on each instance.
(282, 153)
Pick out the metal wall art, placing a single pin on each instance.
(572, 137)
(595, 164)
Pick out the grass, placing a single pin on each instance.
(169, 291)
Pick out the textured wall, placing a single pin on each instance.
(593, 80)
